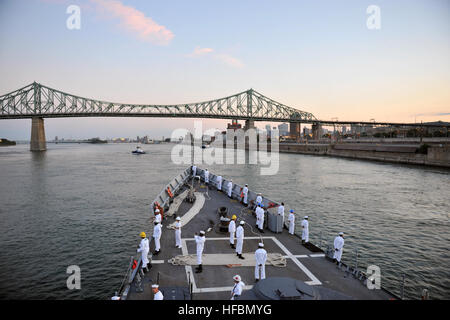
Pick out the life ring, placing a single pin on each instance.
(134, 264)
(169, 192)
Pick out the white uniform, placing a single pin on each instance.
(230, 188)
(260, 257)
(206, 176)
(281, 212)
(245, 192)
(239, 239)
(237, 289)
(305, 231)
(258, 200)
(158, 296)
(194, 171)
(338, 248)
(158, 218)
(291, 220)
(157, 235)
(260, 217)
(232, 230)
(219, 183)
(178, 234)
(144, 248)
(200, 244)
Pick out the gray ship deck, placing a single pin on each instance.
(215, 282)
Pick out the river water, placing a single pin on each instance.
(84, 205)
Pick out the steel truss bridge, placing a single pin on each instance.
(37, 100)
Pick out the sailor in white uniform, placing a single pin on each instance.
(260, 218)
(230, 188)
(338, 247)
(240, 239)
(178, 233)
(281, 212)
(219, 183)
(291, 220)
(144, 248)
(157, 294)
(232, 230)
(258, 199)
(237, 288)
(158, 217)
(245, 193)
(305, 229)
(157, 236)
(200, 241)
(261, 258)
(206, 176)
(194, 171)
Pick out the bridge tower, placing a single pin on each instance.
(249, 123)
(37, 142)
(316, 131)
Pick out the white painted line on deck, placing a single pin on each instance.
(157, 261)
(314, 280)
(218, 289)
(317, 255)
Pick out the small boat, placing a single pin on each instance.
(138, 151)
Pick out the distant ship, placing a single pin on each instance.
(5, 142)
(138, 151)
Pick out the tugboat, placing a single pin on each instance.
(138, 151)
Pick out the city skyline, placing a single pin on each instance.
(317, 57)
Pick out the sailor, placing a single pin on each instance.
(219, 183)
(305, 229)
(281, 212)
(260, 267)
(258, 199)
(200, 241)
(245, 193)
(291, 220)
(144, 248)
(157, 236)
(237, 288)
(230, 188)
(157, 294)
(232, 230)
(338, 247)
(194, 171)
(206, 176)
(260, 218)
(240, 239)
(178, 233)
(158, 217)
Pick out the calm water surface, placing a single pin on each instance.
(80, 204)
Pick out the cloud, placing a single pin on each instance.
(136, 22)
(229, 60)
(433, 114)
(224, 58)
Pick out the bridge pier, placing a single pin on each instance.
(37, 142)
(249, 124)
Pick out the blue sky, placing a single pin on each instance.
(318, 56)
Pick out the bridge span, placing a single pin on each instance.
(37, 101)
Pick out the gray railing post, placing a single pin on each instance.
(402, 293)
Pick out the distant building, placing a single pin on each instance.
(283, 129)
(234, 125)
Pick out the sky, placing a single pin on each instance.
(316, 56)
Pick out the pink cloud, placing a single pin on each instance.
(201, 51)
(229, 60)
(136, 22)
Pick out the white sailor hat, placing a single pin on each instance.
(261, 244)
(306, 217)
(155, 286)
(202, 232)
(242, 222)
(341, 233)
(237, 278)
(157, 210)
(178, 218)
